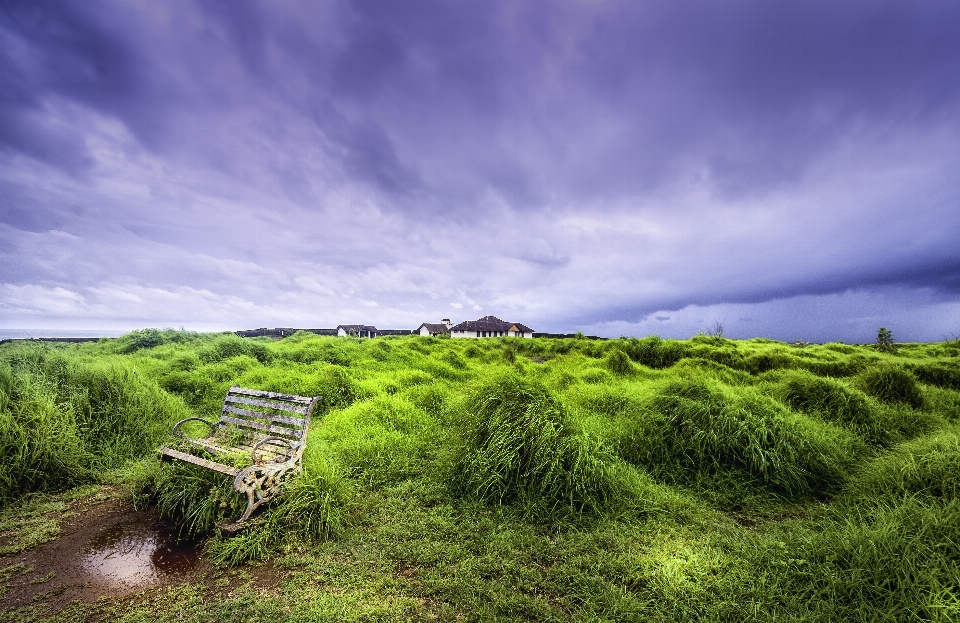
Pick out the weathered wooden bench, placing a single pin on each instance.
(269, 427)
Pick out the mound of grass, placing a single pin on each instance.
(926, 468)
(521, 446)
(39, 439)
(380, 441)
(765, 361)
(940, 374)
(230, 345)
(699, 426)
(836, 401)
(151, 338)
(892, 384)
(698, 367)
(618, 362)
(337, 390)
(654, 352)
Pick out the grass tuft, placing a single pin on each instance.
(521, 445)
(702, 427)
(892, 384)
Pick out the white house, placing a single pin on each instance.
(356, 330)
(490, 326)
(435, 329)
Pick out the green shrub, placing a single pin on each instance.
(520, 445)
(892, 384)
(885, 341)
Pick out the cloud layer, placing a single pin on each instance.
(578, 165)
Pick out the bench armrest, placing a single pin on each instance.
(178, 433)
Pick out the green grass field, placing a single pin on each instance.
(505, 479)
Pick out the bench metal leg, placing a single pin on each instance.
(262, 483)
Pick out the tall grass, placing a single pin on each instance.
(703, 479)
(521, 445)
(892, 384)
(64, 422)
(701, 426)
(312, 507)
(878, 422)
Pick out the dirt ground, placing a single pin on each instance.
(107, 549)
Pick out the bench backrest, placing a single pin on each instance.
(267, 414)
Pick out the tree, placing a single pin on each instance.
(885, 341)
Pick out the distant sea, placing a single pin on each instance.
(8, 334)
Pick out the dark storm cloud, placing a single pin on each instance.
(63, 49)
(614, 158)
(751, 90)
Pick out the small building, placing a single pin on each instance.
(435, 329)
(490, 326)
(356, 330)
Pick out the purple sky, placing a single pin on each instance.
(791, 169)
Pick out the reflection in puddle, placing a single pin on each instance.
(136, 552)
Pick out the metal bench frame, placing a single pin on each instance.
(274, 428)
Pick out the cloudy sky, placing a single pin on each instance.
(634, 167)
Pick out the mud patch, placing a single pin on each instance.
(136, 551)
(104, 549)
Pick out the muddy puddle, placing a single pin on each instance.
(133, 552)
(108, 550)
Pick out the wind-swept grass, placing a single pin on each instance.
(702, 426)
(63, 423)
(521, 446)
(704, 479)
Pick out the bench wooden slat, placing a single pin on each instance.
(196, 460)
(279, 430)
(236, 389)
(271, 447)
(280, 406)
(296, 421)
